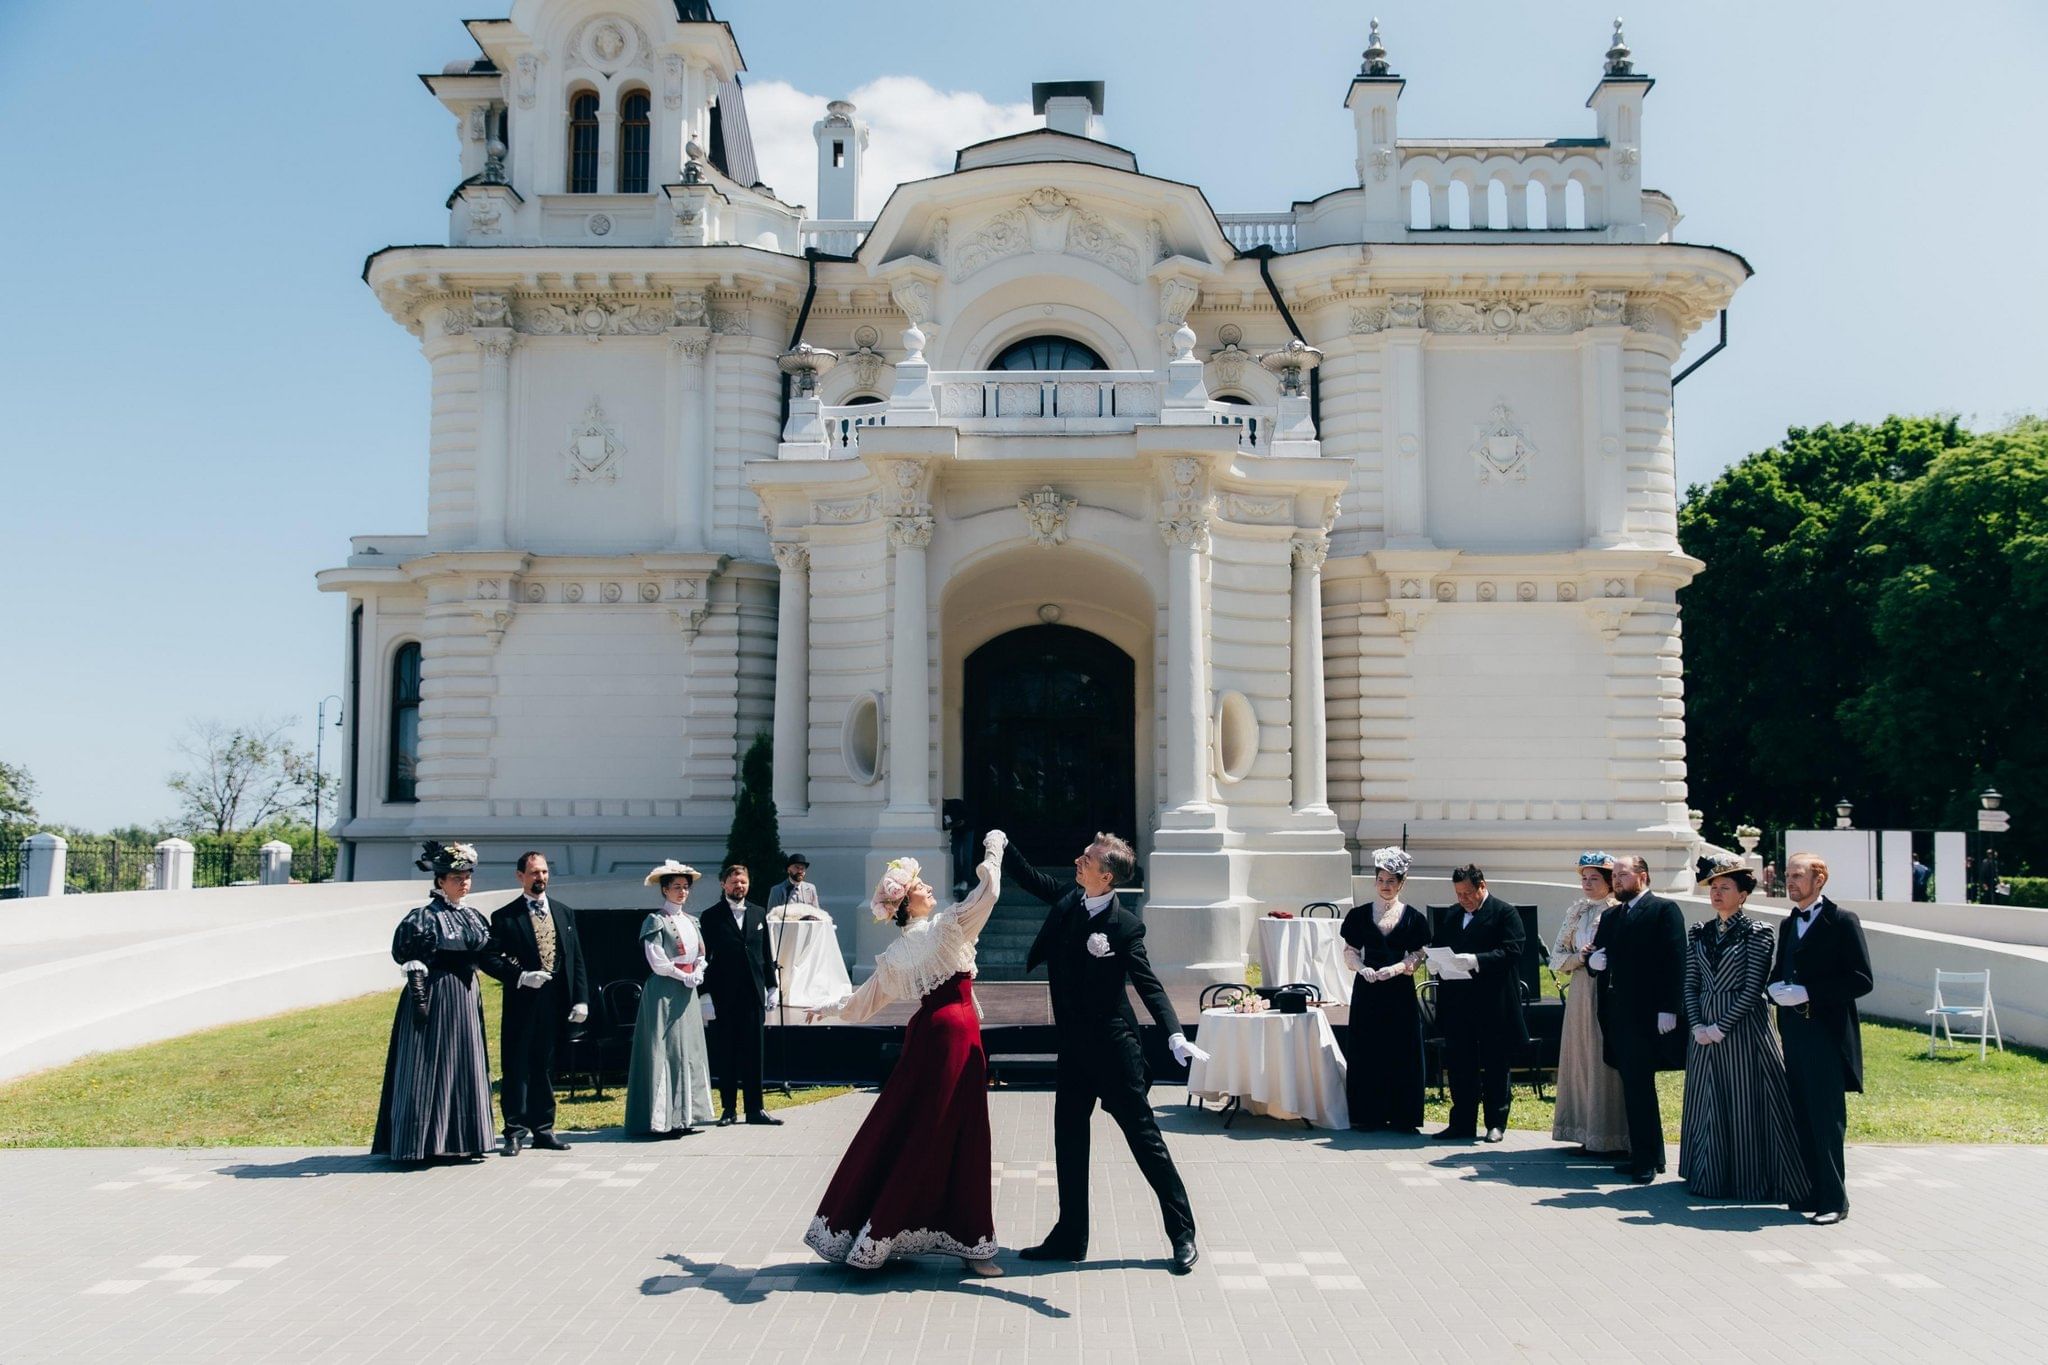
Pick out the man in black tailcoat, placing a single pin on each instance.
(1822, 968)
(740, 989)
(540, 958)
(1481, 1015)
(1092, 947)
(1638, 959)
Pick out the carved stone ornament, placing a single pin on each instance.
(486, 217)
(791, 557)
(1175, 298)
(689, 344)
(1525, 592)
(1567, 592)
(1446, 592)
(914, 297)
(1045, 515)
(488, 589)
(599, 224)
(1501, 450)
(1242, 508)
(610, 592)
(1366, 319)
(609, 42)
(1501, 317)
(650, 592)
(573, 593)
(526, 78)
(1186, 524)
(911, 530)
(867, 366)
(1487, 592)
(536, 592)
(1310, 552)
(1606, 307)
(843, 513)
(495, 621)
(671, 82)
(731, 322)
(1229, 362)
(689, 620)
(454, 321)
(1403, 310)
(1411, 588)
(594, 448)
(488, 310)
(1048, 220)
(592, 317)
(495, 343)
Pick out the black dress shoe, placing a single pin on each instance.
(510, 1146)
(1642, 1177)
(665, 1135)
(1829, 1218)
(726, 1120)
(1050, 1250)
(1184, 1257)
(686, 1131)
(1454, 1135)
(548, 1142)
(1495, 1134)
(764, 1120)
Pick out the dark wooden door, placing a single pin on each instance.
(1048, 740)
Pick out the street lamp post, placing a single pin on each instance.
(319, 739)
(1991, 819)
(1843, 811)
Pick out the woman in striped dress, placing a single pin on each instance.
(1736, 1139)
(437, 1077)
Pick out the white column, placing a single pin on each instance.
(174, 865)
(688, 453)
(792, 681)
(43, 859)
(1311, 744)
(1406, 465)
(1184, 525)
(702, 399)
(910, 722)
(276, 863)
(1604, 459)
(493, 433)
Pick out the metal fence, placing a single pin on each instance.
(93, 865)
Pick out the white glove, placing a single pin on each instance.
(535, 980)
(1666, 1022)
(410, 967)
(1714, 1034)
(710, 1012)
(1597, 959)
(774, 997)
(578, 1013)
(1098, 945)
(1184, 1051)
(1351, 962)
(1471, 963)
(994, 842)
(1699, 1034)
(693, 979)
(1785, 993)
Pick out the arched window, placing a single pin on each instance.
(402, 783)
(1047, 353)
(636, 133)
(583, 143)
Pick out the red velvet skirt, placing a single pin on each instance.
(916, 1179)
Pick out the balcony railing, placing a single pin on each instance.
(834, 236)
(1044, 403)
(1248, 231)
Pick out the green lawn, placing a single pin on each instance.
(305, 1079)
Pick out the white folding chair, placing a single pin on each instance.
(1963, 996)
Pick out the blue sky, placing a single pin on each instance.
(202, 402)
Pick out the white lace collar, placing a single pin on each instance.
(930, 951)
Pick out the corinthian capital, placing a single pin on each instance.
(791, 557)
(1185, 522)
(495, 343)
(911, 530)
(1310, 550)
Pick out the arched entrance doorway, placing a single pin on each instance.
(1048, 739)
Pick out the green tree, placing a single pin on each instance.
(1778, 630)
(242, 776)
(756, 838)
(17, 801)
(1959, 621)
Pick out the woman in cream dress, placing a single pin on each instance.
(1590, 1108)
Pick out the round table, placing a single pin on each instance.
(1305, 949)
(1285, 1066)
(809, 968)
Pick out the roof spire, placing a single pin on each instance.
(1375, 53)
(1618, 62)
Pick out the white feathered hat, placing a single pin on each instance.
(671, 868)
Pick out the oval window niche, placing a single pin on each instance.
(860, 738)
(1237, 737)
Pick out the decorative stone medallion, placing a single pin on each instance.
(594, 448)
(1501, 450)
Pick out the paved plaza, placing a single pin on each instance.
(1316, 1247)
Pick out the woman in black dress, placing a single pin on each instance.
(437, 1077)
(1384, 942)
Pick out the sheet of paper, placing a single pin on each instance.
(1444, 965)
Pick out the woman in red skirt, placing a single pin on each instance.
(916, 1179)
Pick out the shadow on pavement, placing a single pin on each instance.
(738, 1285)
(307, 1167)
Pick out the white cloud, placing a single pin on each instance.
(916, 130)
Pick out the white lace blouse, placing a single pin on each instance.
(930, 952)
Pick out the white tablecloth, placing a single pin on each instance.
(1285, 1066)
(811, 971)
(1309, 950)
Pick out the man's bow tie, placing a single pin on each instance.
(1803, 915)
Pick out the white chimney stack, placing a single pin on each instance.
(1069, 106)
(842, 142)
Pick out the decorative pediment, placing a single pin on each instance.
(1047, 221)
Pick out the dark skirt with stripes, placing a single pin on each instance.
(1735, 1139)
(437, 1074)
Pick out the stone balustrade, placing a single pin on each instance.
(1045, 402)
(1249, 231)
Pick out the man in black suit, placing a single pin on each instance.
(740, 986)
(541, 963)
(1091, 947)
(1481, 1016)
(1822, 968)
(1638, 959)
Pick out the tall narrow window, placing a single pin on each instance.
(402, 784)
(636, 132)
(583, 143)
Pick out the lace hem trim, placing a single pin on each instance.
(864, 1252)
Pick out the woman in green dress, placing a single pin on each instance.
(668, 1089)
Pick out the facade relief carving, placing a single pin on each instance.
(1045, 515)
(1049, 220)
(791, 557)
(1500, 449)
(594, 448)
(594, 316)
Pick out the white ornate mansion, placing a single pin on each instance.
(1262, 538)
